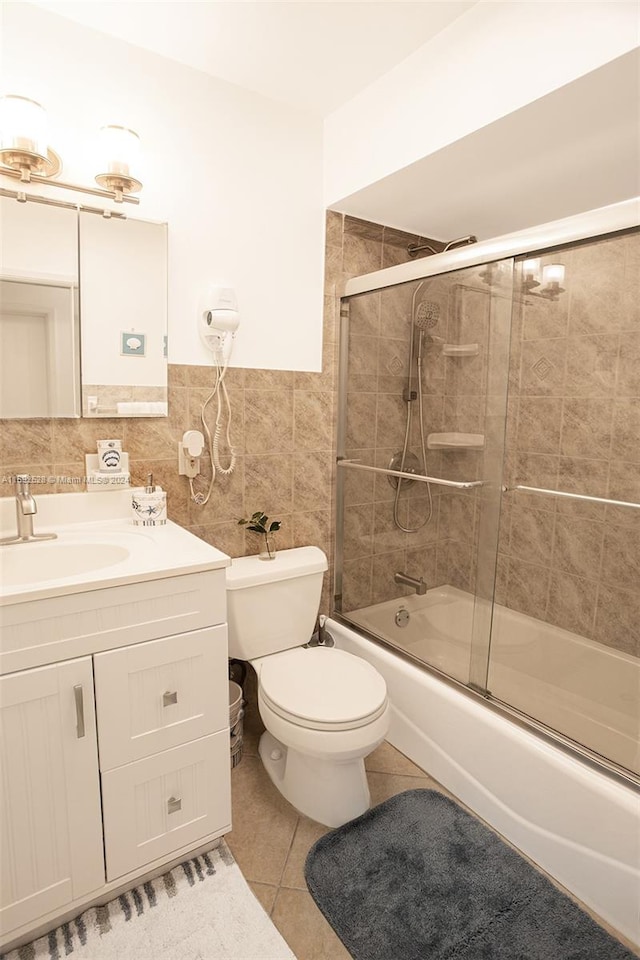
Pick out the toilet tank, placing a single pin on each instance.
(272, 605)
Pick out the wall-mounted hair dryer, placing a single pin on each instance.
(219, 320)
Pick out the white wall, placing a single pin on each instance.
(237, 176)
(495, 59)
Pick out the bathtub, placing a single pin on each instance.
(585, 690)
(580, 825)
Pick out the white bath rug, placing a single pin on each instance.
(201, 910)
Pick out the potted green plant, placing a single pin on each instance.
(259, 523)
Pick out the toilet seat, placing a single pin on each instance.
(322, 688)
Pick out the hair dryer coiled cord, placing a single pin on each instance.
(219, 391)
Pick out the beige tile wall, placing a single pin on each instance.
(283, 429)
(443, 549)
(574, 424)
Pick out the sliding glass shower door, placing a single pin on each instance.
(423, 405)
(488, 492)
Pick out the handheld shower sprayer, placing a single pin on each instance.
(426, 317)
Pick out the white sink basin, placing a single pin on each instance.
(36, 563)
(90, 554)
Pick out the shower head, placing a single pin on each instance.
(427, 315)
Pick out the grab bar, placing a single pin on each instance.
(572, 496)
(458, 484)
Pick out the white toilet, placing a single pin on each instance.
(324, 709)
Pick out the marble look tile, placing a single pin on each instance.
(357, 584)
(463, 414)
(365, 229)
(628, 384)
(425, 528)
(358, 531)
(265, 894)
(147, 439)
(624, 481)
(361, 420)
(625, 443)
(333, 226)
(542, 367)
(390, 420)
(592, 364)
(572, 603)
(364, 315)
(304, 928)
(395, 311)
(363, 356)
(332, 268)
(313, 421)
(501, 579)
(72, 439)
(226, 500)
(617, 619)
(42, 479)
(386, 535)
(268, 421)
(313, 529)
(597, 291)
(358, 484)
(227, 537)
(461, 564)
(70, 478)
(312, 481)
(528, 587)
(263, 823)
(621, 556)
(269, 379)
(457, 518)
(577, 547)
(307, 832)
(360, 255)
(543, 319)
(539, 421)
(385, 785)
(537, 470)
(531, 534)
(586, 428)
(386, 759)
(576, 475)
(27, 441)
(176, 375)
(383, 585)
(268, 484)
(422, 562)
(330, 320)
(200, 375)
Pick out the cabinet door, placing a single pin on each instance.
(157, 695)
(155, 806)
(51, 831)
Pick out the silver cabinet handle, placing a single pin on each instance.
(169, 697)
(78, 694)
(174, 804)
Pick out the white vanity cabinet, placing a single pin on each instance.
(101, 788)
(51, 839)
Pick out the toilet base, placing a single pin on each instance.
(329, 791)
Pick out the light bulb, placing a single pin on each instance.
(553, 273)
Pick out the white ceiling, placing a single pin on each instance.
(576, 149)
(315, 56)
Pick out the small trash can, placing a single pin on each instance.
(236, 713)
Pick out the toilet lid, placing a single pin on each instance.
(322, 687)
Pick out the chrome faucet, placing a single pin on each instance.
(419, 586)
(26, 509)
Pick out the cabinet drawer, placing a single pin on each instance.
(154, 696)
(157, 805)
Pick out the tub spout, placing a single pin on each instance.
(419, 586)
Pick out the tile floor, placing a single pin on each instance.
(270, 839)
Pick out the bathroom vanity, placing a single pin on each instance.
(114, 707)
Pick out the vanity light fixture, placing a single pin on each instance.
(26, 156)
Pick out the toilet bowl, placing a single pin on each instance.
(324, 709)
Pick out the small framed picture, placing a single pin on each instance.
(133, 344)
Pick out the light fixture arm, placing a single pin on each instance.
(78, 188)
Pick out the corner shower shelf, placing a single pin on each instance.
(455, 441)
(460, 349)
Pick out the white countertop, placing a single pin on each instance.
(81, 521)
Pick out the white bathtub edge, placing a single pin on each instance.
(580, 826)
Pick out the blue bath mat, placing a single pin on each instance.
(418, 878)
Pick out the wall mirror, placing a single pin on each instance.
(83, 313)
